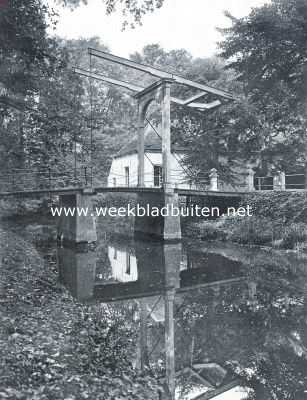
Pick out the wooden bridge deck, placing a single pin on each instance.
(105, 189)
(28, 183)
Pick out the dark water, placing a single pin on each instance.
(208, 314)
(213, 319)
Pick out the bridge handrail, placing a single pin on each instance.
(295, 175)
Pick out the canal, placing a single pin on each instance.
(184, 321)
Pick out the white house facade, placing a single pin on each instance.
(124, 168)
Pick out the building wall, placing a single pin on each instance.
(117, 172)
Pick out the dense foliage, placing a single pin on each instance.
(279, 219)
(132, 10)
(268, 53)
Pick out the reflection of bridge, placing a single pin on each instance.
(158, 277)
(158, 267)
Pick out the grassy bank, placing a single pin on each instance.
(279, 220)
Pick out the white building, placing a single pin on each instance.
(124, 166)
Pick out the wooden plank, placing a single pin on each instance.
(193, 98)
(16, 104)
(129, 86)
(214, 393)
(203, 380)
(159, 73)
(104, 78)
(206, 106)
(210, 284)
(129, 63)
(205, 88)
(191, 192)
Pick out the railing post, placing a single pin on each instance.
(141, 133)
(279, 181)
(91, 176)
(13, 180)
(213, 180)
(85, 175)
(282, 179)
(49, 177)
(166, 135)
(250, 180)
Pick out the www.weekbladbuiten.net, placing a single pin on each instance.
(152, 211)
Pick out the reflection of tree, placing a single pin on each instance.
(262, 338)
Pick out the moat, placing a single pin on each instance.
(200, 319)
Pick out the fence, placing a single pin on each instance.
(281, 181)
(44, 179)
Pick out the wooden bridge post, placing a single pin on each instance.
(163, 227)
(79, 225)
(282, 180)
(214, 180)
(77, 271)
(250, 180)
(170, 341)
(279, 181)
(166, 134)
(141, 133)
(144, 360)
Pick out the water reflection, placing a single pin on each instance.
(202, 316)
(160, 278)
(141, 269)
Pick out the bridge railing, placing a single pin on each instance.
(295, 181)
(280, 181)
(264, 183)
(202, 182)
(21, 180)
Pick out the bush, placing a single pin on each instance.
(211, 231)
(252, 230)
(115, 200)
(284, 206)
(204, 230)
(294, 234)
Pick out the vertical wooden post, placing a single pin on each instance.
(276, 182)
(49, 177)
(250, 180)
(170, 341)
(85, 175)
(143, 335)
(279, 181)
(166, 134)
(213, 180)
(282, 180)
(141, 134)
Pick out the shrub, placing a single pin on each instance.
(115, 200)
(211, 231)
(284, 206)
(252, 230)
(203, 230)
(294, 234)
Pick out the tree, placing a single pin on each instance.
(28, 59)
(25, 47)
(132, 10)
(267, 51)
